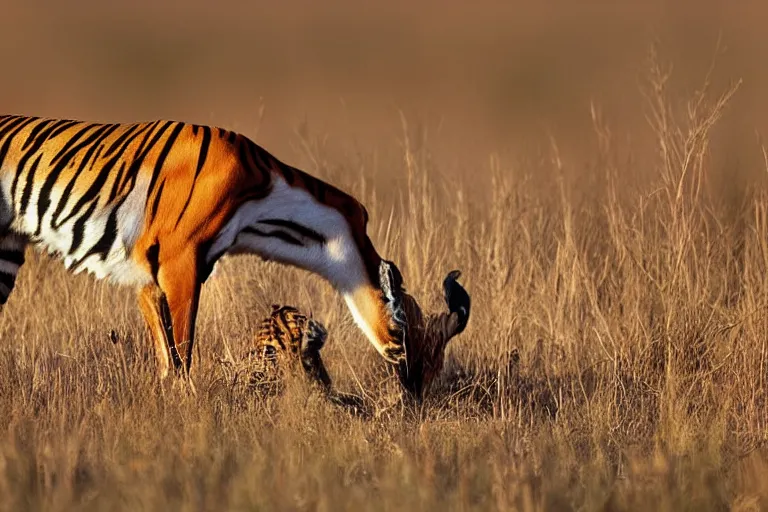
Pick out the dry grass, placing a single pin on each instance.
(631, 275)
(638, 315)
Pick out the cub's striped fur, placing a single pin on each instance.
(154, 205)
(286, 335)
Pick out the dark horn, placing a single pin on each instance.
(457, 299)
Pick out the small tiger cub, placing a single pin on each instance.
(285, 335)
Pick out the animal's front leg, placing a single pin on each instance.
(178, 279)
(309, 353)
(154, 308)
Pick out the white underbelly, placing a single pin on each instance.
(117, 269)
(116, 263)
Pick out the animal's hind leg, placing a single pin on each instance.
(12, 247)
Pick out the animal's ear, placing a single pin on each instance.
(457, 299)
(275, 307)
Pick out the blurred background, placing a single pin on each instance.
(488, 75)
(636, 301)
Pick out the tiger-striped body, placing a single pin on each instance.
(81, 190)
(155, 205)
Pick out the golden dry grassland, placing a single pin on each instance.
(605, 196)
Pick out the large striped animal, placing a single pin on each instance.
(154, 205)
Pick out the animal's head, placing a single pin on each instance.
(372, 286)
(428, 337)
(308, 223)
